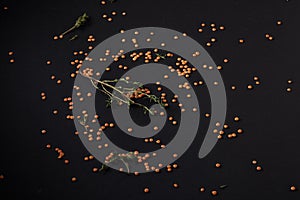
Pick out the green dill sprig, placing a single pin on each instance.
(124, 93)
(124, 158)
(81, 20)
(161, 56)
(73, 38)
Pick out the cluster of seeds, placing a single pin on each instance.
(181, 67)
(60, 153)
(289, 89)
(43, 96)
(269, 36)
(109, 17)
(257, 167)
(148, 56)
(226, 131)
(11, 53)
(212, 27)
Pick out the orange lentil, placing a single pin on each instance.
(236, 119)
(258, 168)
(95, 169)
(293, 188)
(218, 165)
(279, 22)
(74, 179)
(240, 130)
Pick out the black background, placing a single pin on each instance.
(269, 115)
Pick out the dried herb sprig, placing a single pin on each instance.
(125, 94)
(124, 158)
(81, 20)
(161, 56)
(73, 38)
(83, 122)
(223, 186)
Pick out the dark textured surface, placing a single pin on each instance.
(269, 115)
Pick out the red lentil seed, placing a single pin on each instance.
(249, 87)
(214, 192)
(240, 130)
(236, 119)
(258, 168)
(293, 188)
(74, 179)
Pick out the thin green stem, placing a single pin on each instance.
(127, 100)
(69, 30)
